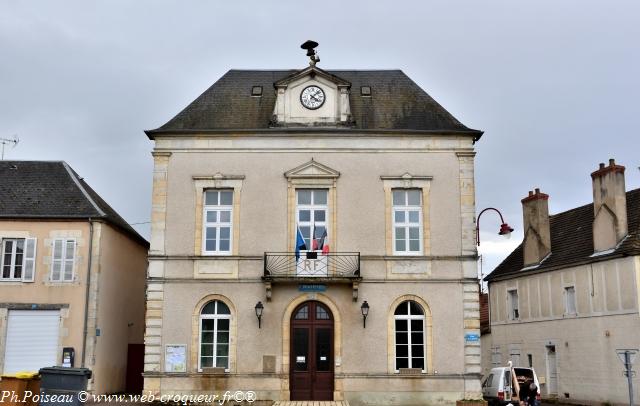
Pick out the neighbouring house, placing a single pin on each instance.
(288, 205)
(72, 278)
(567, 298)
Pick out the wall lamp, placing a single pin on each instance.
(505, 229)
(365, 312)
(259, 308)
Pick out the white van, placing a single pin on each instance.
(498, 388)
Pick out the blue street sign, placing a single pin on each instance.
(312, 287)
(471, 337)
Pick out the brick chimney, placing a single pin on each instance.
(609, 206)
(537, 234)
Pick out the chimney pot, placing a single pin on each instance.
(537, 233)
(609, 206)
(601, 165)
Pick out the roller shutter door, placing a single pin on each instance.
(32, 340)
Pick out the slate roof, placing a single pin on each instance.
(397, 103)
(572, 241)
(52, 190)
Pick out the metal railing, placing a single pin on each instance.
(333, 265)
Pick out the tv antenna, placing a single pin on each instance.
(9, 141)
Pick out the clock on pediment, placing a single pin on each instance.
(312, 97)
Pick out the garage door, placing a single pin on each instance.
(32, 340)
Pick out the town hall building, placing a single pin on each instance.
(313, 238)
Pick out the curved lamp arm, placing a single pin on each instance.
(505, 229)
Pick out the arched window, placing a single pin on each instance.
(215, 319)
(409, 336)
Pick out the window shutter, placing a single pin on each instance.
(56, 263)
(69, 259)
(29, 260)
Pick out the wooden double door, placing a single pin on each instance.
(311, 362)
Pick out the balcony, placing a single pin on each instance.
(312, 268)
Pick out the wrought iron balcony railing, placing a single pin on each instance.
(330, 266)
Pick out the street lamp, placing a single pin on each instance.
(365, 312)
(505, 229)
(259, 308)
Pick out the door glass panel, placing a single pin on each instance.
(301, 349)
(303, 313)
(321, 313)
(323, 349)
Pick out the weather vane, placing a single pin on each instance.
(6, 141)
(311, 52)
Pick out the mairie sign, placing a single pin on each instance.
(312, 287)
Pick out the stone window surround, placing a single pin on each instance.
(195, 332)
(324, 178)
(216, 181)
(391, 331)
(407, 181)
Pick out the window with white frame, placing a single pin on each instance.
(215, 320)
(409, 336)
(512, 304)
(407, 221)
(570, 300)
(64, 255)
(18, 261)
(218, 221)
(311, 215)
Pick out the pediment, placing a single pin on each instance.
(312, 169)
(312, 71)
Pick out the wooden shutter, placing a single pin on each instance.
(29, 260)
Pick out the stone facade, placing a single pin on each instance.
(359, 170)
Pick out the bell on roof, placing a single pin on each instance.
(311, 52)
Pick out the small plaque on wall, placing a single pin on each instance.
(175, 358)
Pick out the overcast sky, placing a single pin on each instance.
(554, 84)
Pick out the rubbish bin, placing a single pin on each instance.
(60, 385)
(13, 387)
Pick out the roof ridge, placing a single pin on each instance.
(82, 189)
(587, 205)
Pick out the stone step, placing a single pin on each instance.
(311, 403)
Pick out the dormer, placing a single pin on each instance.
(312, 97)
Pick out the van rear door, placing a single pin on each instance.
(507, 385)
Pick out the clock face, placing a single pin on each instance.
(312, 97)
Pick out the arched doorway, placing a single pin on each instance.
(312, 352)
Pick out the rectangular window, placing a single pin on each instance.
(570, 300)
(496, 357)
(407, 222)
(311, 215)
(64, 255)
(18, 259)
(530, 359)
(218, 225)
(512, 295)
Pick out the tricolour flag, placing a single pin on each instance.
(323, 244)
(300, 245)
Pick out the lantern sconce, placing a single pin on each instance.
(259, 308)
(365, 312)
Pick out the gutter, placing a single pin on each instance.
(85, 332)
(284, 131)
